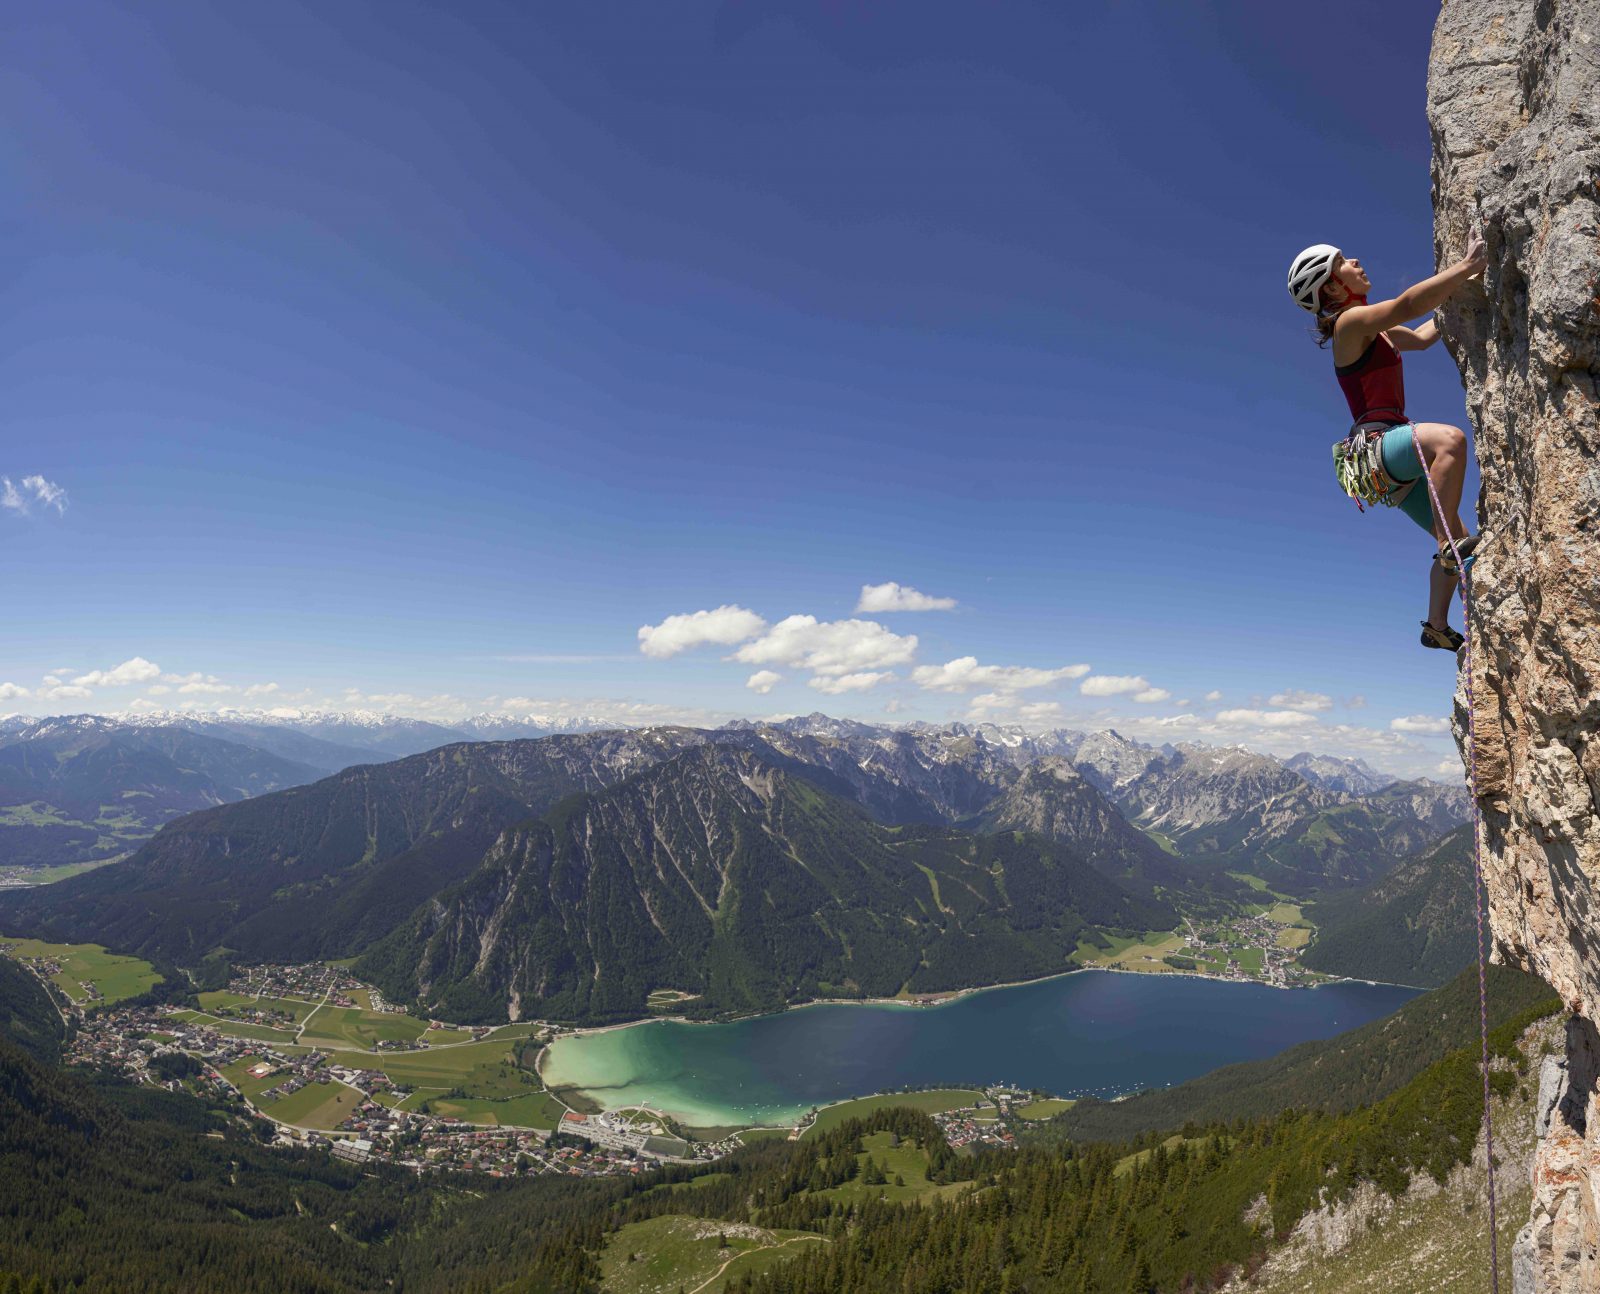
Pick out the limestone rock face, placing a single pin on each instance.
(1514, 107)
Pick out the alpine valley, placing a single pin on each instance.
(746, 868)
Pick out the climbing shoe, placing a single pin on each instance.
(1446, 639)
(1447, 558)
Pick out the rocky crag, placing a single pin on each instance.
(1514, 107)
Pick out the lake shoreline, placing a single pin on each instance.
(600, 1085)
(933, 1001)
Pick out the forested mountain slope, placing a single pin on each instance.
(723, 874)
(1414, 926)
(322, 870)
(75, 790)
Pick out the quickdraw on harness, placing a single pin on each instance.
(1358, 465)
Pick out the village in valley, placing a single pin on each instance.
(1263, 943)
(323, 1060)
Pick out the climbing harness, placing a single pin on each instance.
(1462, 568)
(1358, 465)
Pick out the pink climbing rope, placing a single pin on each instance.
(1477, 860)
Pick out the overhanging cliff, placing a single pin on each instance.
(1514, 106)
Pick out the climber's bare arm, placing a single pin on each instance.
(1420, 299)
(1418, 338)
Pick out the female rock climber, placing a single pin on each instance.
(1367, 342)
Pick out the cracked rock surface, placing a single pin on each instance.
(1514, 108)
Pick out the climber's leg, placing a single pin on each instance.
(1401, 462)
(1442, 586)
(1445, 448)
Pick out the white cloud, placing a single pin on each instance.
(724, 625)
(44, 492)
(839, 684)
(157, 689)
(1008, 707)
(47, 492)
(964, 672)
(1357, 702)
(1450, 768)
(763, 681)
(136, 669)
(10, 691)
(139, 705)
(1213, 695)
(260, 689)
(1294, 699)
(1114, 684)
(899, 597)
(1267, 718)
(66, 692)
(198, 684)
(1420, 723)
(1151, 695)
(832, 647)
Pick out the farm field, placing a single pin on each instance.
(316, 1105)
(115, 976)
(946, 1098)
(1043, 1109)
(242, 1028)
(220, 1002)
(677, 1252)
(535, 1110)
(485, 1070)
(239, 1075)
(1143, 953)
(350, 1026)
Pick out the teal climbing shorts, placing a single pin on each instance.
(1401, 462)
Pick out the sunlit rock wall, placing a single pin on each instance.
(1514, 106)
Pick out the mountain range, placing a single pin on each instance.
(457, 873)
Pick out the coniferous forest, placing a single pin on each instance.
(106, 1186)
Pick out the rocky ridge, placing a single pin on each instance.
(1514, 109)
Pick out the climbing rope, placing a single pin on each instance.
(1477, 861)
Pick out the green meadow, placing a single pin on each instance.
(946, 1098)
(685, 1253)
(117, 977)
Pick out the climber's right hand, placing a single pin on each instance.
(1477, 258)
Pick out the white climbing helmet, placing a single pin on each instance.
(1309, 271)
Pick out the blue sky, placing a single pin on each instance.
(417, 356)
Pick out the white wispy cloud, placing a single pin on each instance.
(65, 692)
(197, 684)
(839, 684)
(1213, 695)
(260, 689)
(964, 672)
(899, 597)
(1267, 718)
(10, 691)
(35, 489)
(136, 669)
(763, 681)
(1419, 723)
(1009, 707)
(1119, 685)
(832, 647)
(1294, 699)
(724, 625)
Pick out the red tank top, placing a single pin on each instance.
(1374, 385)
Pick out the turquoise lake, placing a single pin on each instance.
(1093, 1033)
